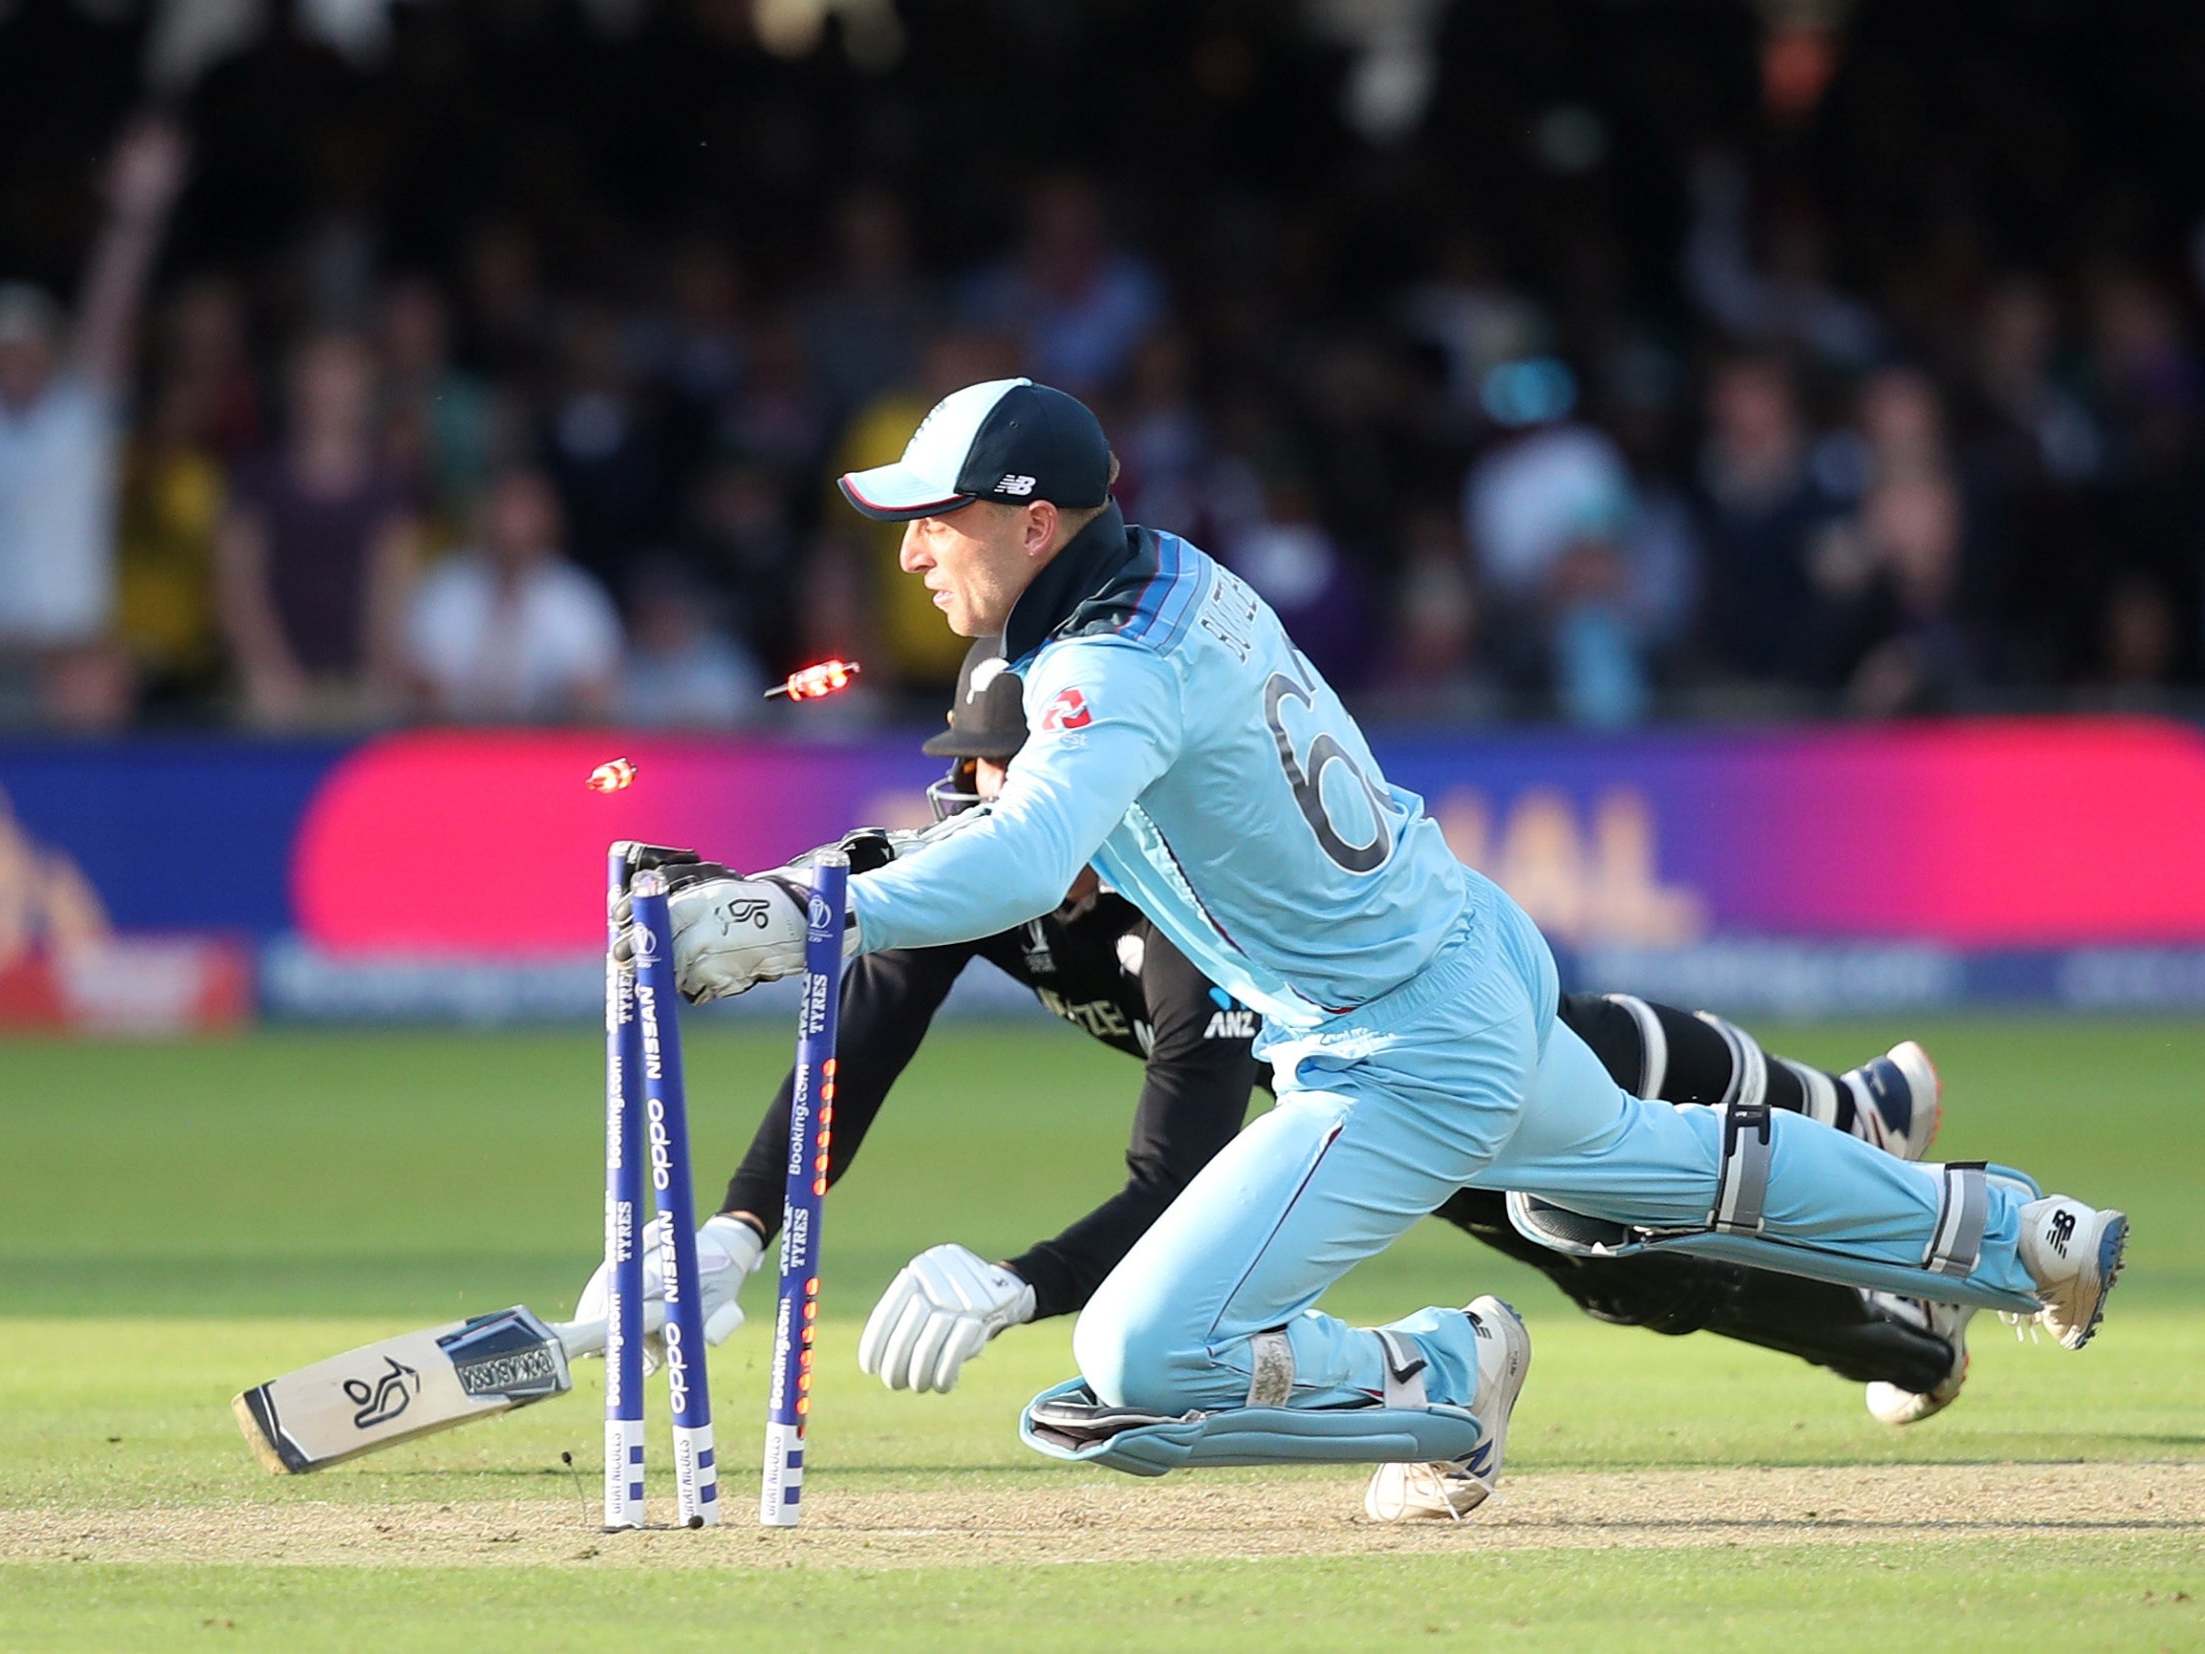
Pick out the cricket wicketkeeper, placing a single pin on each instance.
(1188, 753)
(1099, 965)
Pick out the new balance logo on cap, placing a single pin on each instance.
(1003, 439)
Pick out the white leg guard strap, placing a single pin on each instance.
(1868, 1117)
(1405, 1366)
(1749, 1065)
(1821, 1090)
(1957, 1243)
(1653, 1043)
(1742, 1181)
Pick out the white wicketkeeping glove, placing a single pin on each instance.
(935, 1315)
(731, 934)
(728, 1250)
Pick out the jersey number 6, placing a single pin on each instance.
(1307, 780)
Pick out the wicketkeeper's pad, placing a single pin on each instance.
(1734, 1230)
(1067, 1422)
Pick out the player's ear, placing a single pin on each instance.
(1040, 528)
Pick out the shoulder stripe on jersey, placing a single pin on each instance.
(1178, 608)
(1151, 600)
(1168, 599)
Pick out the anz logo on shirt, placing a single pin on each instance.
(1230, 1020)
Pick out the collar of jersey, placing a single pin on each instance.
(1083, 568)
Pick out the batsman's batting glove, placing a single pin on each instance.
(936, 1314)
(728, 1252)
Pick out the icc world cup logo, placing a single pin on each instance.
(821, 915)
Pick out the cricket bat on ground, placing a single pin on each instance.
(409, 1386)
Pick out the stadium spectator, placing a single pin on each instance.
(2035, 428)
(61, 389)
(1902, 428)
(1910, 648)
(441, 424)
(1436, 612)
(699, 347)
(1549, 516)
(1163, 435)
(171, 504)
(1472, 316)
(739, 545)
(780, 418)
(1297, 567)
(2147, 374)
(206, 356)
(1302, 312)
(693, 349)
(2039, 450)
(317, 556)
(1079, 303)
(682, 668)
(863, 328)
(1762, 510)
(513, 632)
(1782, 300)
(507, 305)
(605, 447)
(1640, 394)
(2139, 643)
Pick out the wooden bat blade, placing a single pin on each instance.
(402, 1388)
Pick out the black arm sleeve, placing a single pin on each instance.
(1193, 1099)
(888, 1001)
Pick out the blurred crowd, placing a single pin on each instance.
(1578, 360)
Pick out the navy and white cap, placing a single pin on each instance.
(1007, 440)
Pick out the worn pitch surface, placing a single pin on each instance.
(1074, 1520)
(204, 1216)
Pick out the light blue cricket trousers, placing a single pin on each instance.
(1463, 1075)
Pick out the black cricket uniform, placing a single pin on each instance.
(1108, 973)
(1106, 970)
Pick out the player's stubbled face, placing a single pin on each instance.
(974, 563)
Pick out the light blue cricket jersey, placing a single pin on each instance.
(1181, 743)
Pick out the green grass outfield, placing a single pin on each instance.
(180, 1221)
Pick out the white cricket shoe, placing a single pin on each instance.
(1887, 1403)
(2073, 1253)
(1898, 1101)
(1451, 1489)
